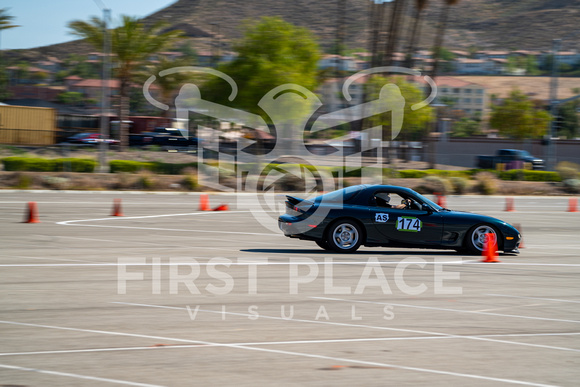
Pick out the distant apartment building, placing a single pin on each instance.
(343, 63)
(471, 98)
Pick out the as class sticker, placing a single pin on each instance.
(409, 223)
(381, 217)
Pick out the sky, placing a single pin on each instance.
(43, 22)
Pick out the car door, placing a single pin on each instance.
(408, 226)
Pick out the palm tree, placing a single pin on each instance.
(440, 34)
(170, 83)
(131, 43)
(5, 23)
(397, 14)
(420, 5)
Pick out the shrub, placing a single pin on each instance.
(56, 182)
(487, 183)
(571, 185)
(568, 170)
(412, 173)
(35, 164)
(129, 166)
(435, 185)
(24, 181)
(460, 185)
(146, 181)
(190, 183)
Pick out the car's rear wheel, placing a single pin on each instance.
(476, 238)
(344, 236)
(323, 244)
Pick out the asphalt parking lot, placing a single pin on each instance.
(170, 296)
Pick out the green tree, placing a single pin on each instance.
(131, 43)
(568, 119)
(517, 117)
(466, 127)
(414, 121)
(271, 53)
(70, 98)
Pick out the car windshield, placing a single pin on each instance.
(342, 195)
(81, 135)
(525, 153)
(422, 198)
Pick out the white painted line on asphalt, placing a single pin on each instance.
(290, 262)
(76, 376)
(299, 354)
(354, 325)
(448, 310)
(245, 263)
(118, 219)
(290, 342)
(532, 298)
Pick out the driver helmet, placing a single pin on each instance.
(384, 195)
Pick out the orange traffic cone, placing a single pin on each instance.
(490, 249)
(204, 202)
(441, 201)
(223, 207)
(573, 205)
(509, 204)
(117, 208)
(32, 215)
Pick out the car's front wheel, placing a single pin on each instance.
(344, 236)
(476, 238)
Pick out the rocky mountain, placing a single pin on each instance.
(484, 24)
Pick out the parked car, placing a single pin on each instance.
(344, 220)
(512, 158)
(166, 137)
(90, 139)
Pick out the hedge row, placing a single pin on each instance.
(130, 166)
(33, 164)
(88, 165)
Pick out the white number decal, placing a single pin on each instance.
(408, 223)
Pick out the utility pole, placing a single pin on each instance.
(553, 104)
(106, 75)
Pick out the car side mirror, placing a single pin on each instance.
(425, 207)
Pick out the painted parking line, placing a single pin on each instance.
(533, 298)
(76, 376)
(448, 310)
(291, 353)
(79, 222)
(222, 312)
(289, 342)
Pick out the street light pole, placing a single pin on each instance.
(553, 104)
(106, 74)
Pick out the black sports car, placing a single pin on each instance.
(366, 215)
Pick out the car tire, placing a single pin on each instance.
(344, 236)
(323, 244)
(475, 238)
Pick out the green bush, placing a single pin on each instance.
(35, 164)
(190, 183)
(486, 183)
(435, 185)
(527, 175)
(572, 185)
(75, 165)
(129, 166)
(568, 170)
(460, 184)
(412, 174)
